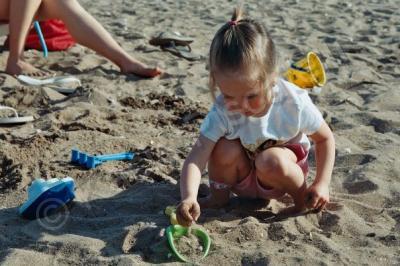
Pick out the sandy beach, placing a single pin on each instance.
(118, 215)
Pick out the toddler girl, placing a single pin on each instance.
(254, 139)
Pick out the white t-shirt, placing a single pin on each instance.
(291, 117)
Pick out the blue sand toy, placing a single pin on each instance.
(36, 25)
(47, 196)
(91, 161)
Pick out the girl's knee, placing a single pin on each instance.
(277, 169)
(271, 164)
(226, 152)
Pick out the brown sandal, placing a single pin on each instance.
(165, 38)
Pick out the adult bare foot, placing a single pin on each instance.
(20, 67)
(140, 69)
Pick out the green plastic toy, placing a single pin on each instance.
(174, 232)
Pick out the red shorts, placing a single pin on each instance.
(250, 187)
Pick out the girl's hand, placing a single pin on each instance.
(317, 196)
(187, 212)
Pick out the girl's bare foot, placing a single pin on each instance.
(140, 69)
(21, 67)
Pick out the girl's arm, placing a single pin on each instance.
(318, 192)
(189, 210)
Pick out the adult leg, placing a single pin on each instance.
(276, 167)
(20, 17)
(88, 32)
(228, 164)
(4, 10)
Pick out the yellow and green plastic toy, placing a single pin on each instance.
(308, 72)
(175, 231)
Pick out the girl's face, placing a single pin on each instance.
(248, 97)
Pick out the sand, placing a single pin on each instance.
(117, 217)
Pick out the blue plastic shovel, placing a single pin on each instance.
(91, 161)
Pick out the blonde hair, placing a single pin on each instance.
(242, 44)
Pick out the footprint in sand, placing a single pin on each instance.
(395, 214)
(359, 187)
(338, 124)
(388, 60)
(84, 64)
(255, 259)
(393, 201)
(276, 232)
(382, 126)
(187, 115)
(10, 175)
(351, 160)
(329, 222)
(380, 123)
(25, 96)
(390, 240)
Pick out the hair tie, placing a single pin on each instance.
(233, 22)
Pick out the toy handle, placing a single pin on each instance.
(170, 211)
(41, 38)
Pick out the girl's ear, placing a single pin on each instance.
(212, 86)
(273, 78)
(270, 82)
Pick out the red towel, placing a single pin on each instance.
(55, 34)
